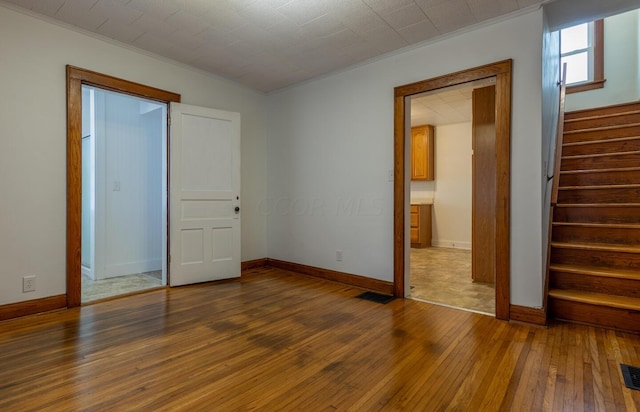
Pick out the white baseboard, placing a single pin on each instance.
(451, 244)
(86, 271)
(129, 268)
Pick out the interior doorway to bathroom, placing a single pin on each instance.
(124, 194)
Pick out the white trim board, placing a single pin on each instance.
(452, 244)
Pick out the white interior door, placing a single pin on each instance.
(204, 191)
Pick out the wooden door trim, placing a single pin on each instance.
(483, 178)
(502, 72)
(76, 77)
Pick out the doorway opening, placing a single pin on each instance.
(444, 264)
(124, 194)
(500, 219)
(76, 79)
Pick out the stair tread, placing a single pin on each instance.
(589, 156)
(596, 247)
(603, 116)
(599, 225)
(596, 271)
(615, 108)
(612, 140)
(602, 128)
(598, 205)
(612, 169)
(600, 299)
(626, 186)
(621, 136)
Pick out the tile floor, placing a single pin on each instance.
(443, 276)
(106, 288)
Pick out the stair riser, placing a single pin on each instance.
(599, 111)
(597, 258)
(602, 121)
(620, 319)
(597, 284)
(615, 146)
(579, 234)
(597, 214)
(600, 162)
(600, 178)
(589, 135)
(621, 195)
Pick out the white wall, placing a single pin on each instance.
(451, 225)
(451, 188)
(422, 190)
(566, 13)
(620, 65)
(550, 108)
(133, 162)
(33, 55)
(331, 147)
(87, 233)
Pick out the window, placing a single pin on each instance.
(581, 47)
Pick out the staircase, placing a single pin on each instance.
(594, 271)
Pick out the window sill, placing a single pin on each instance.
(596, 84)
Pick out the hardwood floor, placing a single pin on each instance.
(275, 340)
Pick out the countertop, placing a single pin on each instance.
(421, 201)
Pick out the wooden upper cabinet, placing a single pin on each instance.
(422, 153)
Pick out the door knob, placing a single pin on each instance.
(237, 209)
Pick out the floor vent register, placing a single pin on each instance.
(375, 297)
(631, 376)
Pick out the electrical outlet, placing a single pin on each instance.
(339, 255)
(28, 284)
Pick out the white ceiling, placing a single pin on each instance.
(445, 106)
(271, 44)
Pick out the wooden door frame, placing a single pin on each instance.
(479, 198)
(502, 72)
(76, 77)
